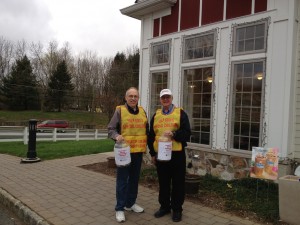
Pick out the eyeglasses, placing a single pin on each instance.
(165, 97)
(133, 96)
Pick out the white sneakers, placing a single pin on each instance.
(135, 208)
(120, 216)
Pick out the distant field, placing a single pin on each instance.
(76, 118)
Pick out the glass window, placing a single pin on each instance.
(197, 102)
(199, 47)
(159, 81)
(160, 53)
(250, 38)
(247, 105)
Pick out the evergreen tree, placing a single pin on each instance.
(59, 87)
(19, 89)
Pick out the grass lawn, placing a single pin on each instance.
(61, 149)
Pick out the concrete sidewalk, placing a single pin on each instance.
(58, 192)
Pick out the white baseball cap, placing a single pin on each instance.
(165, 92)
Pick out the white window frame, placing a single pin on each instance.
(154, 52)
(194, 37)
(211, 102)
(235, 51)
(232, 100)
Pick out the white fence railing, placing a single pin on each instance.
(21, 133)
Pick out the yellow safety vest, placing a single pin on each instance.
(164, 122)
(133, 129)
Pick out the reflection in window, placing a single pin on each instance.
(160, 53)
(250, 38)
(159, 82)
(199, 47)
(197, 100)
(246, 107)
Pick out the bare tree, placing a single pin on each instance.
(20, 49)
(6, 57)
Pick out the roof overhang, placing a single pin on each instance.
(142, 8)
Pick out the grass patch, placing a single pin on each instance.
(55, 150)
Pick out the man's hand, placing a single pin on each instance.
(119, 138)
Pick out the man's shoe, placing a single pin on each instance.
(161, 212)
(176, 217)
(120, 216)
(135, 208)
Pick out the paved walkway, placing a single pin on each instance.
(58, 192)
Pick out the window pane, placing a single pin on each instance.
(245, 128)
(259, 43)
(254, 142)
(205, 138)
(245, 114)
(250, 32)
(255, 115)
(247, 84)
(239, 85)
(256, 99)
(241, 46)
(205, 125)
(206, 112)
(237, 130)
(237, 113)
(236, 142)
(240, 34)
(249, 45)
(254, 130)
(260, 30)
(244, 143)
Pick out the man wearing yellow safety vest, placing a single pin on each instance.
(129, 123)
(172, 123)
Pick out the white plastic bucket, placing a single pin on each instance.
(122, 155)
(164, 150)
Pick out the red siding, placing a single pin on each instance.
(156, 27)
(212, 11)
(260, 5)
(169, 24)
(237, 8)
(189, 14)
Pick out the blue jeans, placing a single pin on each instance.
(128, 181)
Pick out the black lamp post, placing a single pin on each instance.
(31, 153)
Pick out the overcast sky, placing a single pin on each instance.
(94, 25)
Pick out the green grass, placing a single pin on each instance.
(76, 117)
(61, 149)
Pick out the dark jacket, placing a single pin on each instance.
(181, 135)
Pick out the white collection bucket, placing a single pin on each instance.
(122, 154)
(164, 150)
